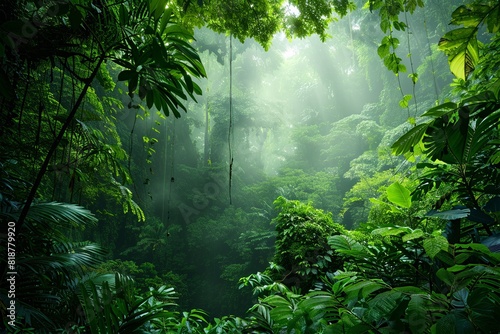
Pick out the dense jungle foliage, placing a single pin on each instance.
(264, 166)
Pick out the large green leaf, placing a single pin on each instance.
(484, 309)
(455, 322)
(362, 289)
(480, 133)
(399, 195)
(418, 233)
(441, 110)
(461, 47)
(449, 214)
(347, 246)
(410, 139)
(469, 16)
(382, 305)
(417, 314)
(446, 276)
(391, 230)
(157, 7)
(434, 245)
(493, 19)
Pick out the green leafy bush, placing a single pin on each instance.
(302, 252)
(460, 294)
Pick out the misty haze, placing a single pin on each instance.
(250, 166)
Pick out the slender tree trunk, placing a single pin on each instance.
(55, 144)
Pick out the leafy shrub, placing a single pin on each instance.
(461, 294)
(302, 252)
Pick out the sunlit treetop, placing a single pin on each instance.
(262, 19)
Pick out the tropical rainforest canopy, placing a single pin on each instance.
(250, 166)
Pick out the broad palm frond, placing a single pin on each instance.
(47, 280)
(48, 264)
(62, 214)
(66, 257)
(122, 311)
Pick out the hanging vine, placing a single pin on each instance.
(230, 136)
(389, 11)
(413, 75)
